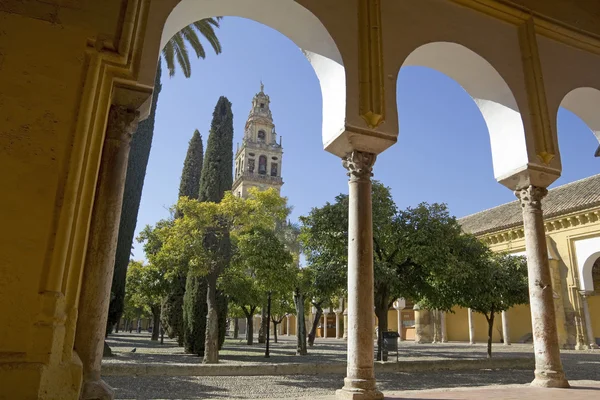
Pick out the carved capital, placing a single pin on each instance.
(359, 165)
(122, 123)
(531, 197)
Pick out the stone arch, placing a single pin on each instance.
(491, 94)
(587, 252)
(291, 19)
(585, 103)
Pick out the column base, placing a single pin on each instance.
(97, 390)
(358, 394)
(550, 380)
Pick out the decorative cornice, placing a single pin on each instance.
(546, 26)
(370, 53)
(551, 225)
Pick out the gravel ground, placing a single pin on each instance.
(578, 366)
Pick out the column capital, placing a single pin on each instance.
(359, 165)
(531, 197)
(122, 123)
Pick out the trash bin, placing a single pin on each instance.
(390, 343)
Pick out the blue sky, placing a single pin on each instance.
(442, 155)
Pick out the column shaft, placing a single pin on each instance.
(400, 336)
(471, 327)
(100, 256)
(591, 339)
(548, 367)
(505, 328)
(360, 380)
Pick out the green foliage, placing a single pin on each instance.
(217, 175)
(176, 47)
(189, 185)
(194, 314)
(132, 194)
(495, 284)
(146, 284)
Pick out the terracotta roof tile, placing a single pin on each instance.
(564, 199)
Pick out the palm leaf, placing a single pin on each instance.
(182, 55)
(169, 55)
(208, 32)
(192, 38)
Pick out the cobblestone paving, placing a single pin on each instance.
(578, 365)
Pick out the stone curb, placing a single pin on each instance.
(255, 369)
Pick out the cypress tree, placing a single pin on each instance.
(194, 314)
(217, 178)
(139, 154)
(172, 307)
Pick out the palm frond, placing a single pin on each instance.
(182, 55)
(190, 35)
(208, 32)
(169, 55)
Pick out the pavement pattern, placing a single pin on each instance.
(582, 367)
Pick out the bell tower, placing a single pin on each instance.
(258, 160)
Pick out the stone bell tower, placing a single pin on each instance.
(258, 160)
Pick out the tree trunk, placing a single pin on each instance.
(249, 329)
(275, 331)
(156, 322)
(236, 328)
(117, 325)
(211, 340)
(315, 324)
(264, 322)
(300, 324)
(490, 321)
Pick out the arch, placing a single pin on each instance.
(587, 251)
(286, 16)
(585, 103)
(491, 94)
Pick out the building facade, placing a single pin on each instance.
(258, 161)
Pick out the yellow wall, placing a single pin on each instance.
(594, 305)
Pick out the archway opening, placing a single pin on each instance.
(455, 110)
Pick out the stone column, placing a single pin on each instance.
(591, 339)
(548, 367)
(471, 327)
(360, 380)
(338, 325)
(400, 337)
(288, 325)
(345, 336)
(423, 328)
(443, 327)
(505, 329)
(101, 247)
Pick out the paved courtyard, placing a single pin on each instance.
(583, 368)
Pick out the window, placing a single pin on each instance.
(262, 105)
(262, 165)
(274, 169)
(251, 165)
(261, 136)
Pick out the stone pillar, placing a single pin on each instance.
(101, 247)
(548, 367)
(360, 380)
(400, 337)
(423, 331)
(325, 315)
(345, 336)
(591, 339)
(338, 325)
(443, 326)
(471, 327)
(288, 325)
(505, 328)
